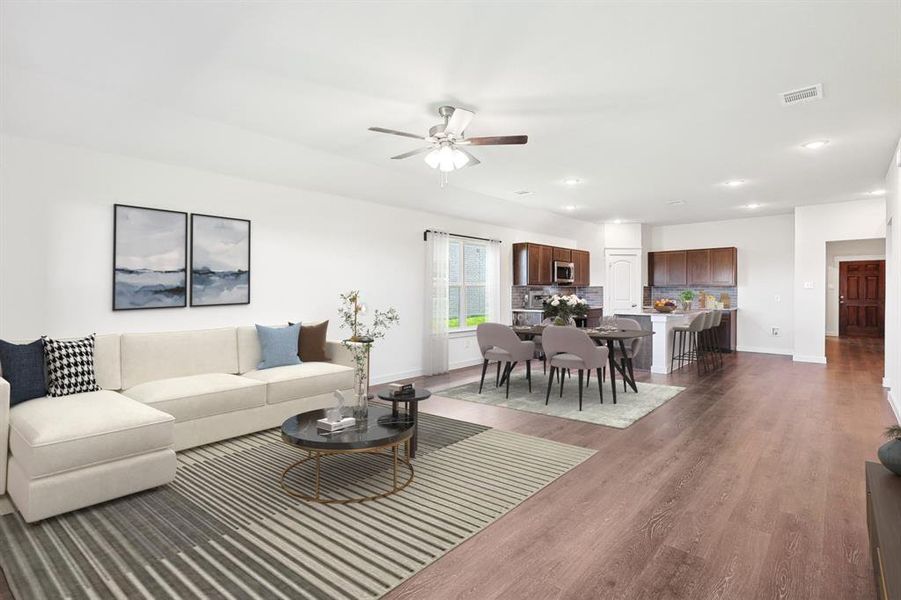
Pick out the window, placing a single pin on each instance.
(467, 274)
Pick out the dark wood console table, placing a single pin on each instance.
(884, 525)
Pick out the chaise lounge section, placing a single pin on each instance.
(162, 392)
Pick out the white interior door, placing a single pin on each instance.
(622, 292)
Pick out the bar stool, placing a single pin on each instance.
(705, 339)
(714, 338)
(691, 331)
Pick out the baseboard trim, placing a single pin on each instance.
(820, 360)
(894, 406)
(886, 383)
(465, 364)
(831, 333)
(390, 377)
(763, 350)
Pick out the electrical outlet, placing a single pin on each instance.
(775, 332)
(778, 298)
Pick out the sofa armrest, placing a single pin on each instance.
(4, 432)
(338, 354)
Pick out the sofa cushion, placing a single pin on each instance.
(153, 356)
(53, 435)
(198, 396)
(304, 380)
(23, 367)
(70, 366)
(278, 345)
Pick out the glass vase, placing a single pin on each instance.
(361, 398)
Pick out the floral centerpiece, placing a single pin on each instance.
(351, 313)
(563, 309)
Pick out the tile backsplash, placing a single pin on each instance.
(594, 294)
(652, 293)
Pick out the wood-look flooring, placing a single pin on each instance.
(750, 484)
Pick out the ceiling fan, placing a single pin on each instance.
(447, 142)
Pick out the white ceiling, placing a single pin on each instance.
(647, 103)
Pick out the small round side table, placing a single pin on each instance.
(411, 406)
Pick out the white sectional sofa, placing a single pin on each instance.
(162, 392)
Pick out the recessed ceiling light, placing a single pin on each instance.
(617, 221)
(675, 202)
(569, 207)
(523, 192)
(752, 206)
(734, 182)
(879, 192)
(572, 181)
(814, 145)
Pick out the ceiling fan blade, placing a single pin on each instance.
(498, 140)
(459, 121)
(413, 152)
(395, 132)
(473, 161)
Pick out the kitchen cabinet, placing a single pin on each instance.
(563, 254)
(701, 267)
(667, 268)
(726, 332)
(533, 264)
(582, 267)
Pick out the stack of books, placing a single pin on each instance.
(399, 390)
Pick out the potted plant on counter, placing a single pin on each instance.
(687, 296)
(890, 452)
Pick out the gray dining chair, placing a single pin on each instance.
(632, 347)
(570, 348)
(500, 343)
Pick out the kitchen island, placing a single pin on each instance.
(657, 352)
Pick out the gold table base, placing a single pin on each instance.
(316, 455)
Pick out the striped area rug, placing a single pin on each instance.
(225, 529)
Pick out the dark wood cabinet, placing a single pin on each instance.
(582, 266)
(533, 264)
(563, 254)
(724, 266)
(667, 268)
(701, 267)
(884, 527)
(726, 333)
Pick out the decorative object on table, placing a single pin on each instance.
(220, 261)
(562, 310)
(890, 452)
(334, 417)
(401, 389)
(150, 250)
(702, 299)
(665, 305)
(360, 343)
(70, 366)
(726, 300)
(278, 346)
(23, 367)
(411, 402)
(686, 297)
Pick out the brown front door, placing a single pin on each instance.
(861, 298)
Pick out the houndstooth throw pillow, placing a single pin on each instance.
(70, 366)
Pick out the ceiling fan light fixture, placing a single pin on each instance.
(446, 159)
(431, 159)
(460, 159)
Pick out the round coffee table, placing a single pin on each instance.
(411, 402)
(381, 433)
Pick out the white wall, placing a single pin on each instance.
(843, 251)
(56, 242)
(893, 281)
(814, 226)
(765, 247)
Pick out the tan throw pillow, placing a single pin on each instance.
(311, 342)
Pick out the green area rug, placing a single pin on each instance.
(225, 529)
(629, 406)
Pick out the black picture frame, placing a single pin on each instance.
(194, 268)
(116, 238)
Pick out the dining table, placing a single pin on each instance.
(601, 335)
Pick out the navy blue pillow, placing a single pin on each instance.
(23, 368)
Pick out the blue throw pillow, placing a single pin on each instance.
(23, 368)
(279, 345)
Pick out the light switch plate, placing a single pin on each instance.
(808, 285)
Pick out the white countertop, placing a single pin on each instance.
(678, 314)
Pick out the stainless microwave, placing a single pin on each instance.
(564, 272)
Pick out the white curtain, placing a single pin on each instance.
(436, 258)
(493, 282)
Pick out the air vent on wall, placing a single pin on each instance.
(807, 94)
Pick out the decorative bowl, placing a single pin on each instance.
(664, 308)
